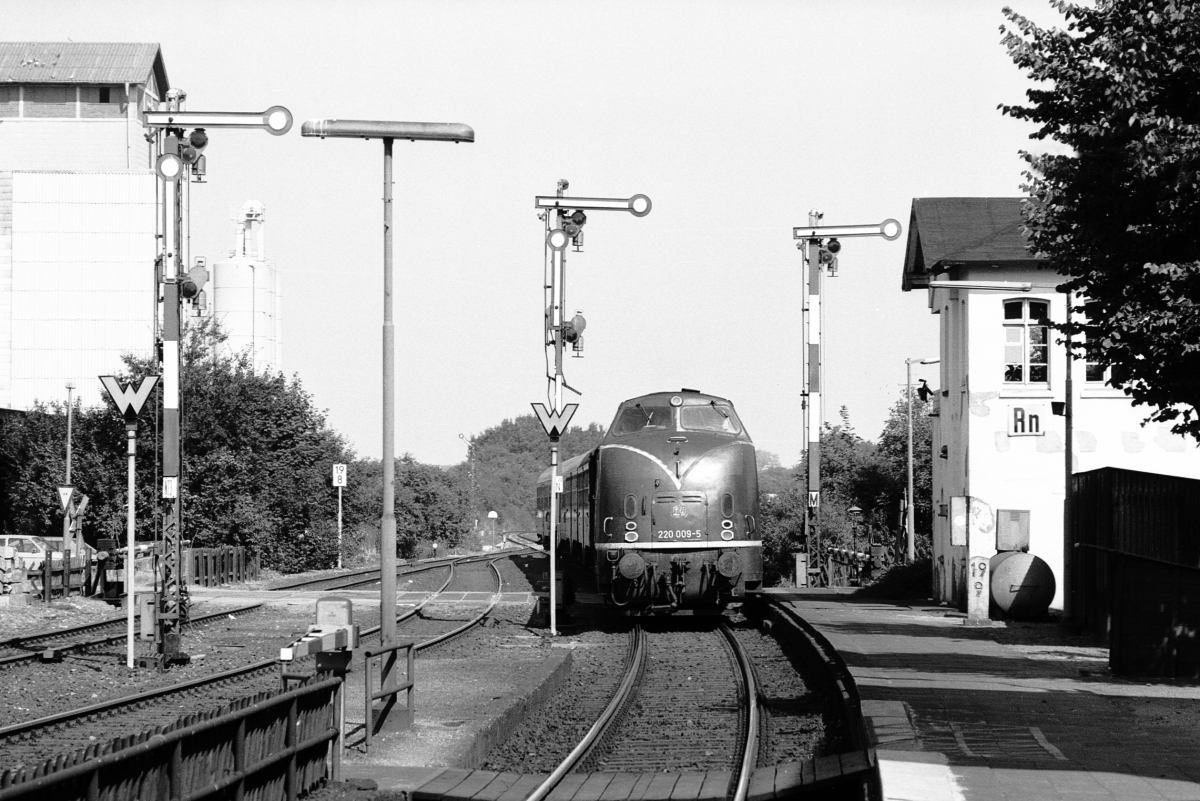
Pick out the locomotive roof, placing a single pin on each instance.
(690, 396)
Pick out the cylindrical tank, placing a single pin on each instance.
(1022, 584)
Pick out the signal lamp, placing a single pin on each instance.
(190, 285)
(169, 167)
(557, 239)
(573, 329)
(198, 139)
(833, 246)
(579, 218)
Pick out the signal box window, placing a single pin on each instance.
(632, 419)
(1026, 342)
(708, 418)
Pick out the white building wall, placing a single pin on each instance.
(5, 289)
(83, 248)
(1025, 472)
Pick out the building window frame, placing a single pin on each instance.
(1026, 342)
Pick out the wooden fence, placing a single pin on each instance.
(211, 567)
(1153, 611)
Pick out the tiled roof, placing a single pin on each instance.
(957, 230)
(82, 63)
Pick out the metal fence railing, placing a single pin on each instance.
(272, 750)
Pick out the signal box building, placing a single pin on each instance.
(999, 432)
(77, 214)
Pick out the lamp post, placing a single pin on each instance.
(910, 542)
(492, 516)
(388, 131)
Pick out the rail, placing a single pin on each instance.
(634, 665)
(216, 757)
(24, 642)
(745, 769)
(62, 718)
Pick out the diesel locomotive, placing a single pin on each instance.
(665, 510)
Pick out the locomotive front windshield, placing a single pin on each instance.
(712, 417)
(641, 417)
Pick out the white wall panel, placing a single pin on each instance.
(82, 291)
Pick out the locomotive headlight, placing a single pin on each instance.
(729, 565)
(631, 535)
(631, 566)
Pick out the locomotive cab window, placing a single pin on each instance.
(633, 419)
(711, 417)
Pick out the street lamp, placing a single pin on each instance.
(492, 516)
(910, 542)
(855, 515)
(388, 131)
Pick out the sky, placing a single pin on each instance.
(735, 118)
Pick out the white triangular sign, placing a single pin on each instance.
(555, 423)
(65, 491)
(129, 401)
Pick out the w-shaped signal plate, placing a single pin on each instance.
(889, 229)
(276, 120)
(638, 205)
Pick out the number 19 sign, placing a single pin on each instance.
(339, 481)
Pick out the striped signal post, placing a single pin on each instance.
(180, 157)
(820, 245)
(565, 218)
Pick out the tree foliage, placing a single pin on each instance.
(1120, 214)
(256, 468)
(854, 472)
(507, 460)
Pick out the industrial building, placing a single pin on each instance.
(78, 214)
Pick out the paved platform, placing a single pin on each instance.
(958, 712)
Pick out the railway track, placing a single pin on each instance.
(687, 701)
(32, 647)
(358, 578)
(47, 740)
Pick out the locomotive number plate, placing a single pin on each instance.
(680, 534)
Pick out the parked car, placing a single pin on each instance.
(31, 550)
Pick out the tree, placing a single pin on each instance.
(1120, 215)
(508, 460)
(893, 452)
(256, 466)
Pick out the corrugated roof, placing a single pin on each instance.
(82, 63)
(946, 230)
